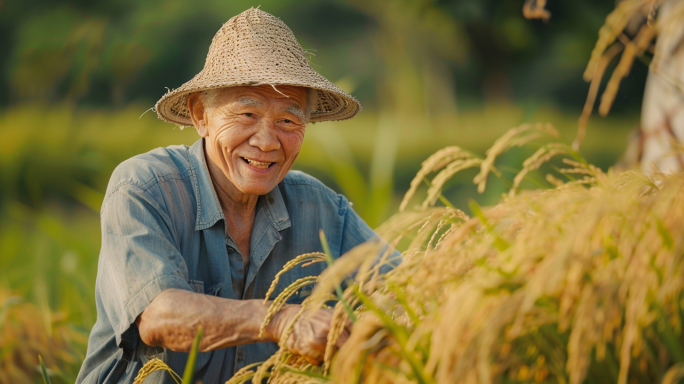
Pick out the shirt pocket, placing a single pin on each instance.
(198, 287)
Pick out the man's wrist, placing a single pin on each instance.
(278, 322)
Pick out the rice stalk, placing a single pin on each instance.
(279, 301)
(515, 137)
(543, 155)
(612, 40)
(281, 366)
(580, 283)
(612, 28)
(243, 375)
(344, 267)
(442, 177)
(599, 69)
(340, 318)
(632, 49)
(305, 259)
(153, 366)
(435, 162)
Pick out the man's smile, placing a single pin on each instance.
(257, 164)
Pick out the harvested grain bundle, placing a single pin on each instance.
(580, 283)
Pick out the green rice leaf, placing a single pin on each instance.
(46, 377)
(190, 366)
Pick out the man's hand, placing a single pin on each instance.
(310, 333)
(171, 321)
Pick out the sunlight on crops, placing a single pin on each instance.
(580, 283)
(56, 165)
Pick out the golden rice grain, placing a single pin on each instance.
(632, 49)
(546, 286)
(153, 366)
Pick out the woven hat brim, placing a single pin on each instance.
(172, 107)
(256, 48)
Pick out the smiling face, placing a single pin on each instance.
(252, 135)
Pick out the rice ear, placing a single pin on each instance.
(433, 163)
(632, 49)
(515, 137)
(614, 25)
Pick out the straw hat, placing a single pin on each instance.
(256, 48)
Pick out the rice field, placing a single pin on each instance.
(545, 269)
(55, 169)
(579, 283)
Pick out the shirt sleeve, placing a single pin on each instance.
(139, 257)
(356, 231)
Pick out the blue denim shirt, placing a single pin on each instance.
(163, 227)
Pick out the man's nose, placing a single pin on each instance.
(266, 136)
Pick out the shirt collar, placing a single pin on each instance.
(277, 211)
(208, 208)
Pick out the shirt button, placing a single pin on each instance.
(231, 250)
(240, 357)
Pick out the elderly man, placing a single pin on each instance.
(193, 236)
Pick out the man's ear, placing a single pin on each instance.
(197, 113)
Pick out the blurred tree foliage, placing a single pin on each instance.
(407, 56)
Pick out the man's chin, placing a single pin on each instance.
(257, 189)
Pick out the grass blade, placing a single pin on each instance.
(46, 377)
(190, 366)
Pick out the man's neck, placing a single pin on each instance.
(238, 209)
(230, 198)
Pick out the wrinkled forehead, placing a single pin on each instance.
(288, 96)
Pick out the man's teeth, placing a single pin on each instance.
(257, 164)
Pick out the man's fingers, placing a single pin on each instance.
(310, 335)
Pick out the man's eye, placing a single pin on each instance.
(248, 114)
(287, 121)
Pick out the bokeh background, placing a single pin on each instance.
(78, 79)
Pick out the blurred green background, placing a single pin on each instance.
(77, 79)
